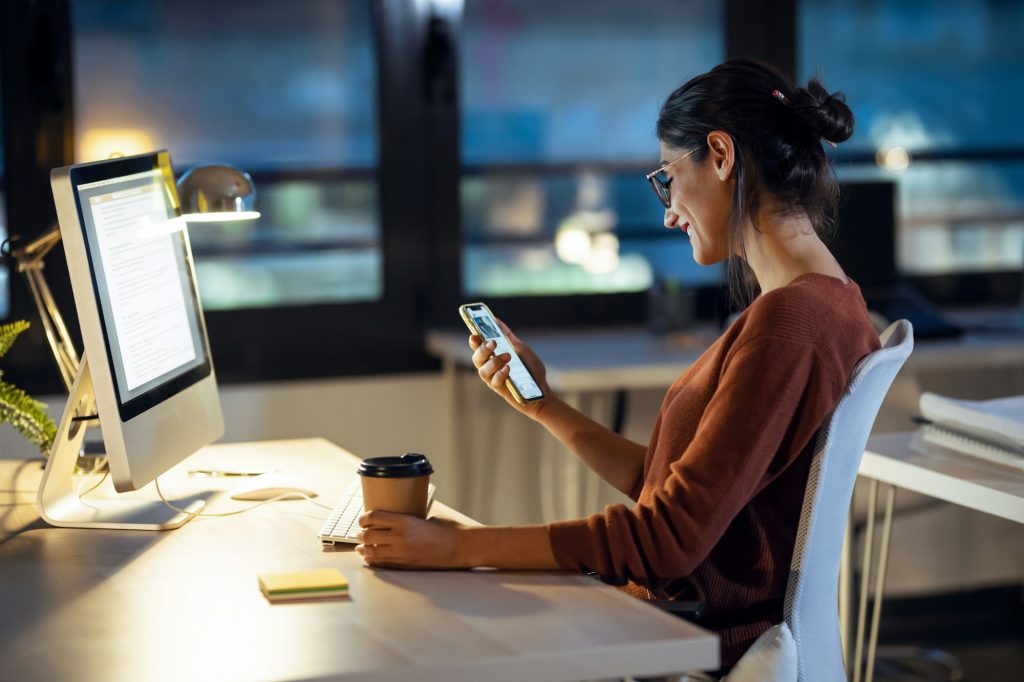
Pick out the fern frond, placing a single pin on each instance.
(9, 333)
(26, 415)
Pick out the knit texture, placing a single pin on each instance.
(718, 503)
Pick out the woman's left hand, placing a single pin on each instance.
(403, 541)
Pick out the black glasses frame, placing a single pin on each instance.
(659, 181)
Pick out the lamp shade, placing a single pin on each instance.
(217, 192)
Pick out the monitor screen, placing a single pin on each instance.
(865, 239)
(140, 265)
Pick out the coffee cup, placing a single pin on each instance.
(396, 484)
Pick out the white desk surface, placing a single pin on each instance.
(634, 358)
(945, 475)
(185, 605)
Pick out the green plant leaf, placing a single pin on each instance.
(26, 415)
(19, 410)
(9, 333)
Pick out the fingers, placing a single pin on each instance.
(492, 368)
(497, 379)
(483, 353)
(381, 519)
(373, 554)
(378, 535)
(495, 370)
(373, 536)
(475, 340)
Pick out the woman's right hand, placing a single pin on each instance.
(493, 370)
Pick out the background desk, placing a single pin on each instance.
(588, 362)
(892, 462)
(184, 604)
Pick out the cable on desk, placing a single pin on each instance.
(276, 498)
(82, 493)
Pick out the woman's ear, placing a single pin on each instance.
(722, 153)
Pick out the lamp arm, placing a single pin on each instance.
(37, 249)
(30, 263)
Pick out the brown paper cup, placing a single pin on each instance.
(401, 495)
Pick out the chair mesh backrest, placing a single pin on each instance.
(812, 594)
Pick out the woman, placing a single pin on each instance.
(718, 490)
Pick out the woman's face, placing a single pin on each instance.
(701, 198)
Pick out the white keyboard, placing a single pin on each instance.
(343, 523)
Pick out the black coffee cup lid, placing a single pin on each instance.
(408, 465)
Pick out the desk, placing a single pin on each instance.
(945, 475)
(890, 460)
(184, 604)
(583, 361)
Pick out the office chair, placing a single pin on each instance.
(812, 593)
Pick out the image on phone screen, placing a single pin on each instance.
(518, 374)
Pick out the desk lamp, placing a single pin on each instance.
(217, 192)
(207, 193)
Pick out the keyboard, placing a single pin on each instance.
(342, 525)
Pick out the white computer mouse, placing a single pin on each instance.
(272, 484)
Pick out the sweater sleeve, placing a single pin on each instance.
(773, 395)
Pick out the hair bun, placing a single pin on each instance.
(826, 115)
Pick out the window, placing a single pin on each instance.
(956, 151)
(294, 94)
(554, 200)
(285, 91)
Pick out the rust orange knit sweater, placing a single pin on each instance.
(718, 503)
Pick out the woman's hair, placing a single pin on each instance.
(777, 131)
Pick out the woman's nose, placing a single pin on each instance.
(671, 219)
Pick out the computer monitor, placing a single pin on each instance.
(865, 246)
(146, 370)
(865, 238)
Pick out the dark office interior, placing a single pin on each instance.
(413, 156)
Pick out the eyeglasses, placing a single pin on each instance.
(660, 182)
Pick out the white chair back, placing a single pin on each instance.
(812, 594)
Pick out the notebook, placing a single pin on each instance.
(965, 444)
(988, 429)
(999, 421)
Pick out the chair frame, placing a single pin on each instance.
(812, 594)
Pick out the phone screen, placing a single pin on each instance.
(518, 374)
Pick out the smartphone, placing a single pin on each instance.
(520, 382)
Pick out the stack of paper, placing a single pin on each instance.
(991, 429)
(324, 583)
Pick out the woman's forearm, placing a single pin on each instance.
(616, 459)
(509, 547)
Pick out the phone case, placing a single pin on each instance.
(464, 314)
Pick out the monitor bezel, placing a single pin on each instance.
(82, 174)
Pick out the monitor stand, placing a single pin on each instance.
(58, 499)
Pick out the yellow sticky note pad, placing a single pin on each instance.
(297, 582)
